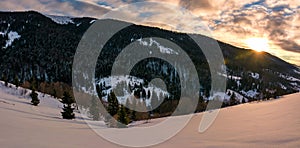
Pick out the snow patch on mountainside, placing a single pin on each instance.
(250, 93)
(283, 87)
(225, 97)
(3, 33)
(255, 75)
(289, 78)
(229, 76)
(296, 71)
(114, 83)
(63, 20)
(12, 36)
(161, 48)
(91, 22)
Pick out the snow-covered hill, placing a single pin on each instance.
(24, 95)
(273, 123)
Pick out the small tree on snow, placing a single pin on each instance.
(122, 116)
(68, 109)
(16, 81)
(34, 98)
(243, 100)
(5, 79)
(233, 100)
(113, 104)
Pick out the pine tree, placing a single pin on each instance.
(122, 116)
(133, 115)
(143, 93)
(95, 109)
(99, 91)
(113, 104)
(34, 98)
(243, 100)
(127, 106)
(201, 105)
(229, 93)
(16, 81)
(68, 109)
(149, 94)
(33, 83)
(133, 112)
(54, 93)
(5, 79)
(232, 100)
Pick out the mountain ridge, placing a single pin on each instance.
(45, 50)
(94, 19)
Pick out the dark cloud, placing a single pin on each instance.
(280, 8)
(195, 5)
(279, 26)
(242, 20)
(289, 45)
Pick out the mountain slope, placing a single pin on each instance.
(40, 46)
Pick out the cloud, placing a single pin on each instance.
(196, 5)
(55, 7)
(291, 45)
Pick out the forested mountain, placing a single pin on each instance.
(39, 49)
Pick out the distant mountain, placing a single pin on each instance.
(43, 46)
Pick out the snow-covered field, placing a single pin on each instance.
(274, 123)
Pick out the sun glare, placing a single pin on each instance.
(258, 44)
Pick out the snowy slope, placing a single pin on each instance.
(24, 94)
(273, 123)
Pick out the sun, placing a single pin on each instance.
(258, 44)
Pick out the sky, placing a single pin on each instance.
(265, 25)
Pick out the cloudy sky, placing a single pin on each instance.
(268, 25)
